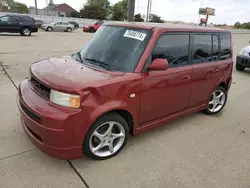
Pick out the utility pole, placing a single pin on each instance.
(36, 7)
(148, 10)
(131, 10)
(199, 14)
(47, 12)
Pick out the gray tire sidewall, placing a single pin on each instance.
(105, 118)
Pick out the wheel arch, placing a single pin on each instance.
(49, 27)
(25, 26)
(124, 113)
(225, 84)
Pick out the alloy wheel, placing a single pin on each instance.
(107, 139)
(26, 32)
(217, 101)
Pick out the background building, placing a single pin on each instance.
(54, 10)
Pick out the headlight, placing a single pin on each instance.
(243, 52)
(65, 99)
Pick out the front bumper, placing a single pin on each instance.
(243, 60)
(49, 128)
(85, 29)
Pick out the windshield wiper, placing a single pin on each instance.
(101, 63)
(80, 56)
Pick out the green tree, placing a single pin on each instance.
(155, 18)
(138, 18)
(96, 9)
(19, 8)
(237, 25)
(245, 25)
(120, 10)
(75, 14)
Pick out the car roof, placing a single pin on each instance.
(177, 27)
(18, 15)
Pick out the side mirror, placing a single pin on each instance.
(159, 65)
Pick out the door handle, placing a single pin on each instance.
(186, 77)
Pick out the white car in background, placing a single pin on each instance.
(58, 26)
(243, 59)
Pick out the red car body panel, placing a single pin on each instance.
(94, 26)
(60, 131)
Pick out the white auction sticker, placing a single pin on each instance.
(135, 35)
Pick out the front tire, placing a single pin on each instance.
(239, 67)
(217, 101)
(69, 29)
(106, 137)
(49, 29)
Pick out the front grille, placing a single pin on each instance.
(245, 62)
(40, 88)
(30, 114)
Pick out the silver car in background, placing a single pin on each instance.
(58, 26)
(243, 59)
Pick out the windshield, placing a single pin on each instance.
(116, 48)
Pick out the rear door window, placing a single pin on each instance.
(225, 43)
(13, 21)
(202, 48)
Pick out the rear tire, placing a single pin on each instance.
(239, 67)
(69, 29)
(217, 101)
(106, 137)
(91, 30)
(26, 31)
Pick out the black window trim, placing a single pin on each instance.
(217, 35)
(191, 34)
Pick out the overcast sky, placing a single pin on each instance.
(227, 11)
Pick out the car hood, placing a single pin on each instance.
(247, 48)
(67, 74)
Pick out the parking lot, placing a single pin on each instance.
(195, 151)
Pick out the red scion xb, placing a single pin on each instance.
(127, 79)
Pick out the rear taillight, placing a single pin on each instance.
(36, 26)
